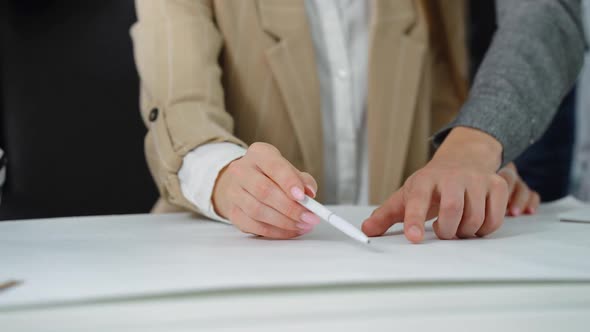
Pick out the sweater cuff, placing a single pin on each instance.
(503, 119)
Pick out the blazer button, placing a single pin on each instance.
(153, 114)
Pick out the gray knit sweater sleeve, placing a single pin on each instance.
(533, 61)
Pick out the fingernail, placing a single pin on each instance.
(297, 193)
(531, 210)
(516, 212)
(310, 188)
(310, 218)
(303, 226)
(415, 232)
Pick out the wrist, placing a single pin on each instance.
(220, 204)
(472, 147)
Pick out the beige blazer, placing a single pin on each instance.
(244, 71)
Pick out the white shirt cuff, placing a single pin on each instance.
(199, 171)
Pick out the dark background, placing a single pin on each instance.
(69, 114)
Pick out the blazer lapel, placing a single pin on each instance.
(292, 62)
(397, 50)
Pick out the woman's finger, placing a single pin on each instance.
(267, 192)
(311, 186)
(261, 212)
(268, 159)
(248, 225)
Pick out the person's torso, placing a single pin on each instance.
(272, 86)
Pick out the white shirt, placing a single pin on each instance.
(339, 30)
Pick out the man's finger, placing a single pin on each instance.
(519, 198)
(474, 212)
(509, 174)
(533, 203)
(391, 212)
(417, 204)
(450, 212)
(496, 203)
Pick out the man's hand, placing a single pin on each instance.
(522, 199)
(258, 193)
(459, 185)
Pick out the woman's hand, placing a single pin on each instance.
(258, 193)
(522, 199)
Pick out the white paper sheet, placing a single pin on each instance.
(120, 256)
(578, 215)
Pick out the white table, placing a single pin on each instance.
(174, 272)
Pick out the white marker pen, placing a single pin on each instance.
(334, 220)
